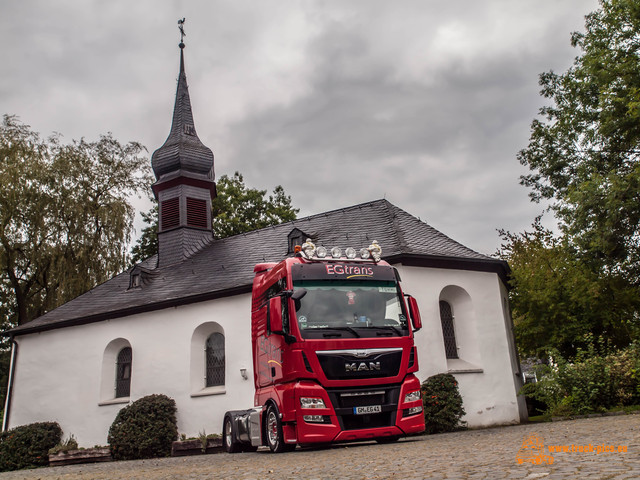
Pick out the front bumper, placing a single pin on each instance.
(339, 422)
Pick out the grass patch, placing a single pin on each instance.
(540, 418)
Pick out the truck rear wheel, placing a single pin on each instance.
(228, 438)
(273, 432)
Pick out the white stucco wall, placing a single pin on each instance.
(58, 375)
(67, 375)
(486, 370)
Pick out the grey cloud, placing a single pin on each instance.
(426, 103)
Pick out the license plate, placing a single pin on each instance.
(367, 410)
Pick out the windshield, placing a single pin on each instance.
(337, 308)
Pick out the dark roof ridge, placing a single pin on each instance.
(394, 220)
(308, 218)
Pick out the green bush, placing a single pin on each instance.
(442, 404)
(144, 429)
(592, 383)
(28, 446)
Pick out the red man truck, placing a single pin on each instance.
(333, 353)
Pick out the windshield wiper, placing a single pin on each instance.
(390, 328)
(347, 329)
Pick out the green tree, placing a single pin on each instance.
(147, 244)
(583, 158)
(583, 153)
(65, 217)
(559, 301)
(236, 209)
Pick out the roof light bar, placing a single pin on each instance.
(309, 250)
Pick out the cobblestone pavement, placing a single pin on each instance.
(474, 454)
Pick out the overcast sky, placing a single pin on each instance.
(425, 103)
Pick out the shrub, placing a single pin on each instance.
(442, 404)
(144, 429)
(592, 383)
(28, 446)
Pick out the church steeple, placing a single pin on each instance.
(184, 187)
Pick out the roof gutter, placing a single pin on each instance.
(131, 311)
(500, 267)
(12, 367)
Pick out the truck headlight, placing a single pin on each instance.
(412, 411)
(412, 397)
(315, 418)
(306, 402)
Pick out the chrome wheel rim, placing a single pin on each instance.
(227, 433)
(272, 428)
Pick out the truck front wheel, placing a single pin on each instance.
(273, 430)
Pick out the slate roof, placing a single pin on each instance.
(225, 266)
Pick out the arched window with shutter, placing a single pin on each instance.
(123, 373)
(215, 360)
(448, 330)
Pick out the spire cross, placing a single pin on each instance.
(182, 34)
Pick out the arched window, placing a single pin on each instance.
(123, 373)
(448, 331)
(215, 363)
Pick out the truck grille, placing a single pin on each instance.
(345, 400)
(353, 364)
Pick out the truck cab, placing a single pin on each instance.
(333, 354)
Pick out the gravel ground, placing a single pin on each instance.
(473, 454)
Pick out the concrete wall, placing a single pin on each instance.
(67, 375)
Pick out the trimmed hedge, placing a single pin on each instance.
(442, 404)
(144, 429)
(28, 446)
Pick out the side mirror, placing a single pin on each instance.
(299, 293)
(275, 315)
(414, 312)
(297, 296)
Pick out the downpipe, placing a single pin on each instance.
(12, 366)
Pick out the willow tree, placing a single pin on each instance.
(65, 215)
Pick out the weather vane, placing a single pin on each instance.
(182, 34)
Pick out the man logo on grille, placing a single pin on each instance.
(361, 367)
